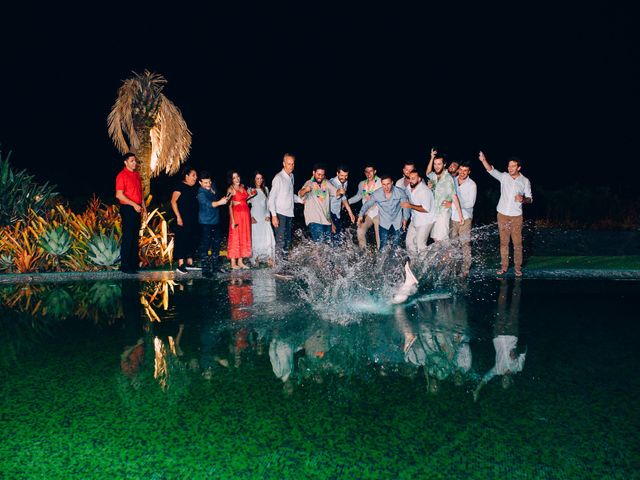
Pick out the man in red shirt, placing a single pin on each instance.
(129, 193)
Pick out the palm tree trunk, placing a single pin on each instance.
(144, 159)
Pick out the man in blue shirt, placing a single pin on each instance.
(392, 215)
(209, 199)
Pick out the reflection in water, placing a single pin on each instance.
(171, 330)
(505, 338)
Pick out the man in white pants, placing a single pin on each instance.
(444, 191)
(467, 192)
(421, 203)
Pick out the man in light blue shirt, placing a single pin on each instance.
(392, 215)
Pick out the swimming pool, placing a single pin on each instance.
(248, 376)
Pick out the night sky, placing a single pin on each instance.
(557, 87)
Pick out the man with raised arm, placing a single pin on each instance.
(422, 216)
(366, 188)
(132, 208)
(388, 199)
(444, 191)
(515, 190)
(280, 203)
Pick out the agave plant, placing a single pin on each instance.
(6, 262)
(56, 241)
(19, 193)
(58, 304)
(104, 251)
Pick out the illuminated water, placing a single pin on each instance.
(249, 376)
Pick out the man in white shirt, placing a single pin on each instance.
(467, 193)
(341, 180)
(366, 187)
(280, 203)
(515, 190)
(422, 214)
(404, 181)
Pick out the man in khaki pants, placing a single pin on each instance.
(467, 192)
(515, 190)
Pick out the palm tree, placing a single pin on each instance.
(153, 125)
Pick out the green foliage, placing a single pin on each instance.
(19, 193)
(6, 261)
(56, 241)
(104, 251)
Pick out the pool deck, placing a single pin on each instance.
(572, 273)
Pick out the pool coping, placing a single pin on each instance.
(160, 275)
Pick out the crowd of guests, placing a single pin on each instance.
(414, 210)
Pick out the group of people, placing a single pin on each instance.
(412, 209)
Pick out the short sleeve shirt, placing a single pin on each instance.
(130, 184)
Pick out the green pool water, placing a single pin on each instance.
(240, 377)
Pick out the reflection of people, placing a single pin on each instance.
(240, 298)
(239, 241)
(209, 200)
(129, 194)
(263, 243)
(132, 356)
(184, 203)
(515, 190)
(505, 339)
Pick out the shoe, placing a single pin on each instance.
(501, 272)
(193, 268)
(181, 269)
(518, 273)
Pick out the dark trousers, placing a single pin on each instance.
(389, 236)
(209, 240)
(283, 235)
(185, 239)
(129, 240)
(338, 222)
(320, 233)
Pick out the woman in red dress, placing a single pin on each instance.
(239, 242)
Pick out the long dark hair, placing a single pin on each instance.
(264, 189)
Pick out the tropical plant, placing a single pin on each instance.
(153, 125)
(56, 241)
(6, 261)
(156, 247)
(21, 242)
(104, 251)
(19, 193)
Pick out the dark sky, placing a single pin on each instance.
(556, 86)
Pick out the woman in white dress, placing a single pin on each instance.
(262, 239)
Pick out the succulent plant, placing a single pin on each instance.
(58, 303)
(20, 194)
(104, 251)
(56, 241)
(6, 262)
